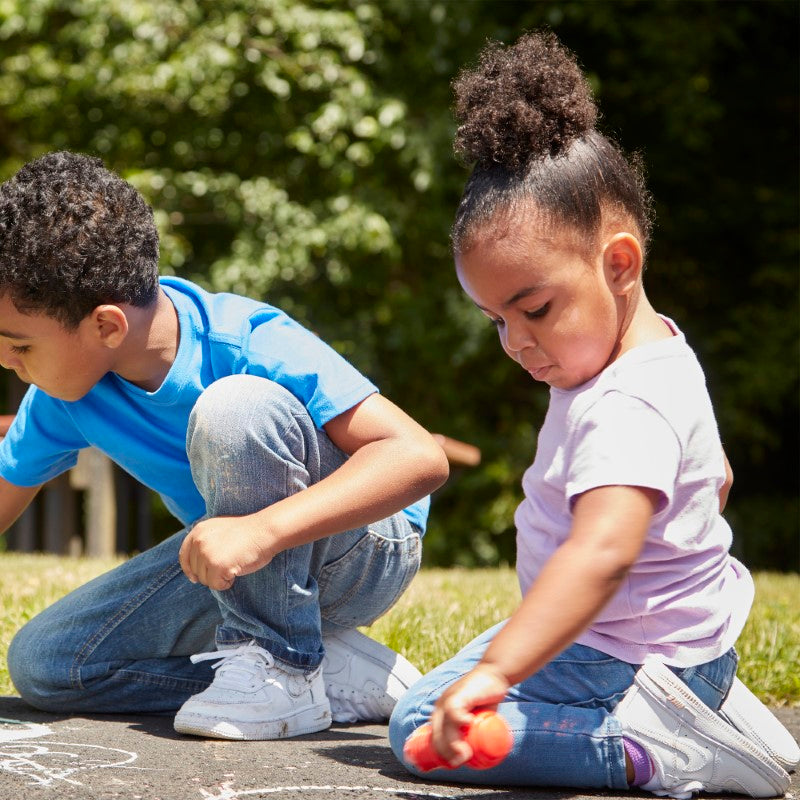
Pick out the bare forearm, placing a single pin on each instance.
(393, 462)
(568, 594)
(13, 501)
(375, 482)
(609, 528)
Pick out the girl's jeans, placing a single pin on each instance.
(564, 733)
(122, 642)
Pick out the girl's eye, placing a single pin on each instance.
(497, 322)
(20, 349)
(539, 312)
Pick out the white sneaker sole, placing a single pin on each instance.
(753, 719)
(387, 677)
(765, 779)
(214, 723)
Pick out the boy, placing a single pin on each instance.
(298, 485)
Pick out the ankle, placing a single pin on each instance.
(638, 764)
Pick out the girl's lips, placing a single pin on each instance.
(539, 374)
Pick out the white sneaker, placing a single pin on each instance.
(363, 678)
(252, 697)
(692, 748)
(753, 719)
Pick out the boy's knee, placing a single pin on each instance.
(246, 434)
(232, 406)
(32, 669)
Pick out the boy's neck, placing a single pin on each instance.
(151, 343)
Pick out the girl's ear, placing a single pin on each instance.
(623, 262)
(110, 325)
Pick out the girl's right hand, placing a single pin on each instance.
(481, 688)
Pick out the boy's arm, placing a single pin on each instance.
(13, 501)
(393, 462)
(609, 528)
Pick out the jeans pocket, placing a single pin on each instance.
(366, 581)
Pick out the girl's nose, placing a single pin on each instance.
(517, 338)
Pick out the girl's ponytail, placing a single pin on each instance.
(527, 127)
(521, 103)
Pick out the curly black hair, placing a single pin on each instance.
(527, 125)
(73, 236)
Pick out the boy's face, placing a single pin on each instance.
(63, 363)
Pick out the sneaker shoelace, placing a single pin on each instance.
(246, 666)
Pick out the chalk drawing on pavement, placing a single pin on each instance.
(49, 763)
(226, 792)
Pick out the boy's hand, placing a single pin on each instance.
(219, 549)
(483, 687)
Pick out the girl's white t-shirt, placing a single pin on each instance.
(646, 420)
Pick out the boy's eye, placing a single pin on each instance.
(20, 349)
(539, 312)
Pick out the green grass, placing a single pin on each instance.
(442, 611)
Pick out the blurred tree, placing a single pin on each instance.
(301, 152)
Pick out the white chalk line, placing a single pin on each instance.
(29, 759)
(227, 792)
(30, 730)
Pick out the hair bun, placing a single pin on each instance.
(521, 103)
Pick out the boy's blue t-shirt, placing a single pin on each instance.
(145, 432)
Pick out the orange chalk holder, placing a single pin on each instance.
(488, 736)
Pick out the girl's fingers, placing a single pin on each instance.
(447, 723)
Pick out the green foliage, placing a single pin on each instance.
(301, 152)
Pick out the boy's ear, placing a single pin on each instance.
(623, 261)
(109, 324)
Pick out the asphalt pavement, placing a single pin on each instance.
(48, 757)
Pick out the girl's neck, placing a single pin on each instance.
(643, 326)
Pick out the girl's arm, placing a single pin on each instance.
(393, 462)
(725, 490)
(609, 527)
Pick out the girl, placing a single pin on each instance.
(622, 551)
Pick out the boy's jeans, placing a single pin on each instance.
(122, 642)
(560, 717)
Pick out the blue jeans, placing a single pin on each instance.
(564, 734)
(122, 642)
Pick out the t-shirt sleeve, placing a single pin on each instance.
(282, 350)
(623, 441)
(42, 442)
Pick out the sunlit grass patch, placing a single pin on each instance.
(442, 611)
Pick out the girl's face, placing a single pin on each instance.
(559, 314)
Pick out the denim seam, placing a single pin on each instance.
(135, 602)
(272, 646)
(710, 683)
(301, 424)
(296, 423)
(164, 681)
